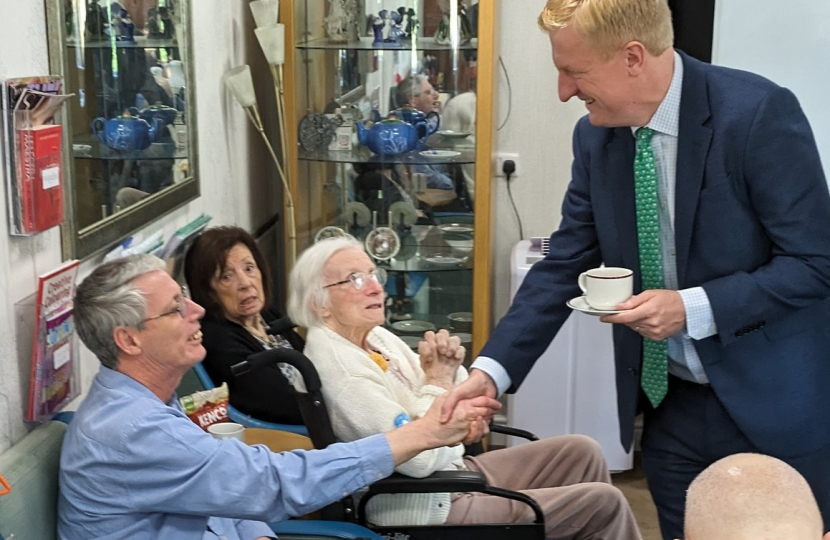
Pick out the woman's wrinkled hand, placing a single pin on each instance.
(440, 355)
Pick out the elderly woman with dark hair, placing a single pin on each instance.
(373, 382)
(228, 276)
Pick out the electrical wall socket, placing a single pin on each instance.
(501, 157)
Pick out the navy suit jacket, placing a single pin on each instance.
(752, 227)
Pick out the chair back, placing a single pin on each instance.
(30, 467)
(307, 388)
(235, 415)
(204, 378)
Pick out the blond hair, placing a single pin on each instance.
(610, 24)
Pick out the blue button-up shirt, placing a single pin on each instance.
(135, 468)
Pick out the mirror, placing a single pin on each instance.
(130, 146)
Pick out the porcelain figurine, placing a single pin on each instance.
(128, 28)
(386, 29)
(340, 24)
(465, 32)
(97, 22)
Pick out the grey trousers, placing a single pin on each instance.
(569, 479)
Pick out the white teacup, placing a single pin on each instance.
(227, 430)
(605, 287)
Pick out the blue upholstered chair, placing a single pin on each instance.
(241, 418)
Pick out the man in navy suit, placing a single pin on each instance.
(744, 216)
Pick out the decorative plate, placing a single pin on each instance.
(383, 243)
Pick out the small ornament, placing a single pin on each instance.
(317, 131)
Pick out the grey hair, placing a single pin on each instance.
(107, 299)
(306, 296)
(409, 88)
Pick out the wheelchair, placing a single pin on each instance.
(307, 389)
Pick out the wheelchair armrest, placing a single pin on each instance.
(515, 432)
(444, 482)
(437, 482)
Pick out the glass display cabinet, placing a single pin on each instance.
(130, 153)
(392, 102)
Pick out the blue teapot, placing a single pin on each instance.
(421, 121)
(388, 137)
(126, 133)
(164, 113)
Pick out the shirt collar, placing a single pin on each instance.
(667, 117)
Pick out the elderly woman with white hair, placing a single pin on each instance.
(373, 382)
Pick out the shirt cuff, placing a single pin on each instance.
(700, 321)
(375, 458)
(251, 530)
(496, 372)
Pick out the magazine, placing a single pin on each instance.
(32, 150)
(53, 380)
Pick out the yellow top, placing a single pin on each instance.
(378, 359)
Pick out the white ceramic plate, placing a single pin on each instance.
(445, 260)
(438, 155)
(414, 327)
(580, 304)
(455, 228)
(454, 134)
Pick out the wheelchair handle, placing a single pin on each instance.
(281, 355)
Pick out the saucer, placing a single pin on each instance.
(580, 304)
(445, 260)
(412, 328)
(454, 134)
(455, 228)
(439, 155)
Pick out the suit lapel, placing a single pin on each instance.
(693, 147)
(618, 177)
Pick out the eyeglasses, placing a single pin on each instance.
(181, 309)
(360, 279)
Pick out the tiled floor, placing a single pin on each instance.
(633, 484)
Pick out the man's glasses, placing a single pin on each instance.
(360, 279)
(181, 309)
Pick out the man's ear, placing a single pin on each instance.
(635, 55)
(127, 340)
(826, 536)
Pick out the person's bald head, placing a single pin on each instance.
(751, 497)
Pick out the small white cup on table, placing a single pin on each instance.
(227, 430)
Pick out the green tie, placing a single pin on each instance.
(655, 356)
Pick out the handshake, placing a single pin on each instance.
(453, 418)
(462, 415)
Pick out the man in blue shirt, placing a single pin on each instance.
(134, 466)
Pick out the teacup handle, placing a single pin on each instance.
(583, 282)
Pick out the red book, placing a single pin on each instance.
(40, 178)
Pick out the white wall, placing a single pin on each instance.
(539, 129)
(233, 190)
(789, 45)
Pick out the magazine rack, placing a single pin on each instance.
(54, 379)
(32, 149)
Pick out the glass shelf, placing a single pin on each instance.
(138, 44)
(362, 154)
(98, 150)
(434, 271)
(366, 44)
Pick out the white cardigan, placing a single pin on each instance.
(363, 400)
